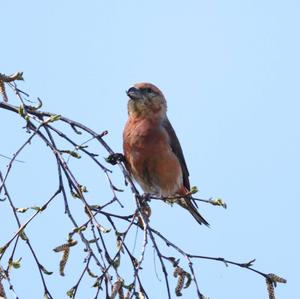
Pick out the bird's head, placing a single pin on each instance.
(146, 100)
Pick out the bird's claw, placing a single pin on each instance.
(145, 197)
(114, 158)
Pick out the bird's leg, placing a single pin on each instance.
(146, 197)
(114, 158)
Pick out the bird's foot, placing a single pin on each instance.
(146, 197)
(115, 158)
(145, 210)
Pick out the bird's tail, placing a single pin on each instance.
(188, 204)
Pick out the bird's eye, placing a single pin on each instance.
(148, 90)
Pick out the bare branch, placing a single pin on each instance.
(100, 227)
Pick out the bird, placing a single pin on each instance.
(152, 152)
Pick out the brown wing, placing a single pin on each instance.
(187, 203)
(175, 145)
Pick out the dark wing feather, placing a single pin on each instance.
(187, 203)
(176, 148)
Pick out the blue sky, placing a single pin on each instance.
(230, 73)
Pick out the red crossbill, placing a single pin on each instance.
(153, 155)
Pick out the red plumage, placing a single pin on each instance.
(152, 151)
